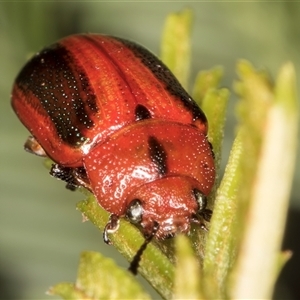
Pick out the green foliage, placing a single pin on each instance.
(268, 114)
(100, 278)
(250, 202)
(186, 286)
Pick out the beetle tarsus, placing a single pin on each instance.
(32, 146)
(111, 227)
(65, 174)
(74, 177)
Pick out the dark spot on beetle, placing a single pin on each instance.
(211, 149)
(158, 155)
(200, 199)
(163, 74)
(141, 113)
(63, 90)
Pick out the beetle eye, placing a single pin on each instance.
(134, 211)
(200, 199)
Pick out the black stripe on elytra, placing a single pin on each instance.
(63, 91)
(158, 155)
(141, 113)
(163, 74)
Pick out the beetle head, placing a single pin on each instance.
(171, 203)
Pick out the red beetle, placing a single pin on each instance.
(115, 120)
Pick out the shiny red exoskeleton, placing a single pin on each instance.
(115, 120)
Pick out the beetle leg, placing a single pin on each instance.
(81, 178)
(32, 146)
(74, 177)
(111, 227)
(198, 218)
(206, 214)
(64, 174)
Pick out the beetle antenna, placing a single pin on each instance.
(136, 260)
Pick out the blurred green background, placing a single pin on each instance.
(41, 233)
